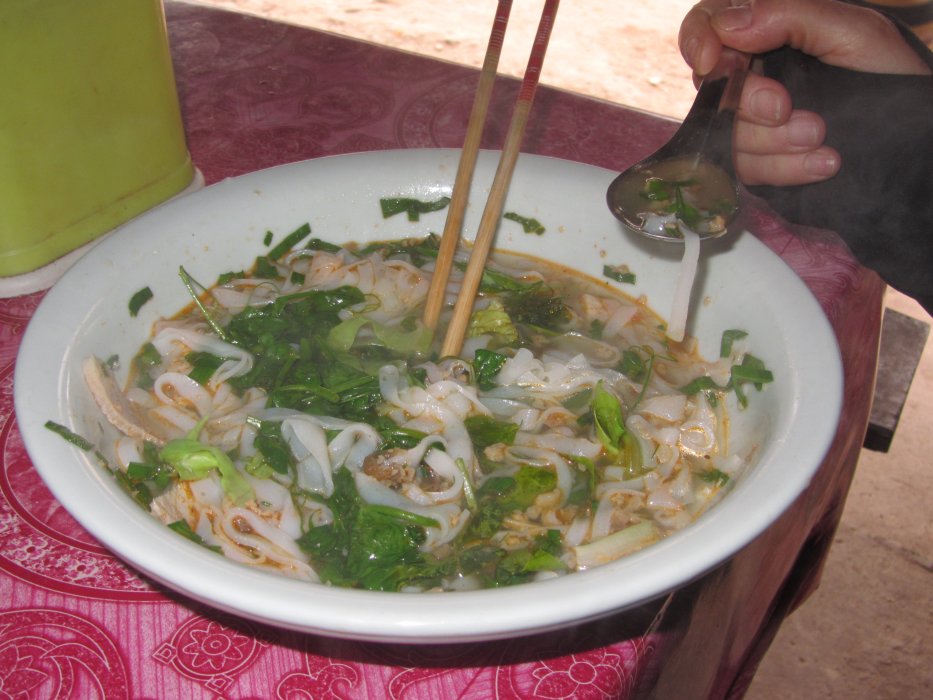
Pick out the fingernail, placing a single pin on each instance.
(730, 19)
(802, 132)
(821, 164)
(766, 104)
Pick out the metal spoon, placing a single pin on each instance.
(690, 181)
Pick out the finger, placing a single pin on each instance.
(764, 101)
(837, 33)
(790, 169)
(803, 132)
(698, 42)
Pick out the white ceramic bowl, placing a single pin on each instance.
(220, 228)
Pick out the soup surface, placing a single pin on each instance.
(694, 192)
(297, 418)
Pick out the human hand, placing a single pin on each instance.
(776, 144)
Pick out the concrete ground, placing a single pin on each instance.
(868, 630)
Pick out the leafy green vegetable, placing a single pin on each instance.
(638, 364)
(403, 516)
(203, 366)
(536, 305)
(138, 299)
(751, 371)
(609, 421)
(529, 225)
(486, 365)
(501, 496)
(366, 546)
(195, 460)
(160, 474)
(295, 361)
(543, 555)
(396, 338)
(272, 446)
(494, 321)
(414, 208)
(485, 431)
(394, 435)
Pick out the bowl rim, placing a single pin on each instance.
(377, 616)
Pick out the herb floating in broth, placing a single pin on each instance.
(699, 195)
(298, 419)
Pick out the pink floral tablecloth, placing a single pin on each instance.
(75, 622)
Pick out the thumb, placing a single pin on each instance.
(837, 33)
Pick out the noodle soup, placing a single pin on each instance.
(298, 419)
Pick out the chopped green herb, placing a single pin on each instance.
(68, 435)
(414, 208)
(619, 273)
(529, 225)
(225, 277)
(203, 366)
(728, 339)
(289, 242)
(714, 476)
(701, 384)
(138, 299)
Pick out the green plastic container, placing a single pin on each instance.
(90, 128)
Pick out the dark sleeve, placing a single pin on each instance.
(881, 201)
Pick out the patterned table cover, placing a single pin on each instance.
(75, 622)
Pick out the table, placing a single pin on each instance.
(75, 622)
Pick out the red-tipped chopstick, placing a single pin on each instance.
(461, 189)
(489, 222)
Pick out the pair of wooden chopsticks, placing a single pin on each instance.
(453, 340)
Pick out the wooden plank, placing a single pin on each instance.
(902, 341)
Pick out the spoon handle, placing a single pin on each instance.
(735, 65)
(707, 128)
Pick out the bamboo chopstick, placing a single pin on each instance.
(461, 188)
(489, 222)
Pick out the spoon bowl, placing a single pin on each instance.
(690, 181)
